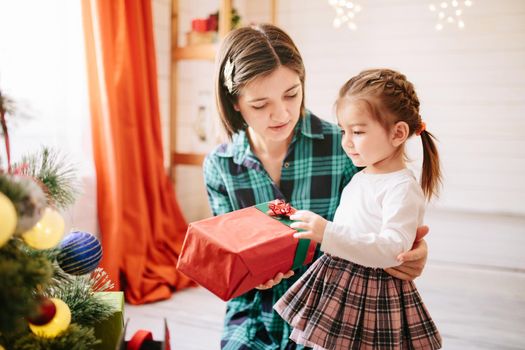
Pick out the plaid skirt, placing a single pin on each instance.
(341, 305)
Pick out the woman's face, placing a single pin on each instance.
(271, 105)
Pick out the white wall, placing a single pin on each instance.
(471, 83)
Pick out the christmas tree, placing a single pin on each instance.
(49, 284)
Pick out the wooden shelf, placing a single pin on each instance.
(196, 52)
(187, 158)
(205, 52)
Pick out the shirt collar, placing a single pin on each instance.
(311, 126)
(239, 149)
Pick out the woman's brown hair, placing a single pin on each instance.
(391, 99)
(246, 54)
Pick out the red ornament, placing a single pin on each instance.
(44, 313)
(280, 208)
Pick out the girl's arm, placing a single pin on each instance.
(403, 208)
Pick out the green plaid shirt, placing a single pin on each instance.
(314, 173)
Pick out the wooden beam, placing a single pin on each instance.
(172, 135)
(194, 52)
(225, 18)
(187, 159)
(273, 11)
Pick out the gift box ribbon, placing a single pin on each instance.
(302, 247)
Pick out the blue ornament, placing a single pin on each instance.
(80, 253)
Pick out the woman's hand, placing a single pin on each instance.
(414, 260)
(312, 224)
(276, 280)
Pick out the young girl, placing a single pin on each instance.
(346, 300)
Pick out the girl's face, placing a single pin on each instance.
(271, 105)
(365, 140)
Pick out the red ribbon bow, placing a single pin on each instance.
(280, 208)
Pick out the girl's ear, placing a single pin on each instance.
(236, 107)
(400, 133)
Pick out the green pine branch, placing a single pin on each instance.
(78, 292)
(7, 107)
(21, 275)
(9, 110)
(15, 191)
(57, 176)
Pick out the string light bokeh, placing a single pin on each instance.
(345, 13)
(450, 13)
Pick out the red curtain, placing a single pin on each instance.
(142, 227)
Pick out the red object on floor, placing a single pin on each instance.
(135, 343)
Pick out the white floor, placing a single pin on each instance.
(474, 287)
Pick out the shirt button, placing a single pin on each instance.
(286, 165)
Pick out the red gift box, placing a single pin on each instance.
(232, 253)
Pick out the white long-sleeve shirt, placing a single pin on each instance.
(376, 219)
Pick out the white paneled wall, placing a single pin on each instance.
(471, 84)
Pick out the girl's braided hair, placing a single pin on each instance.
(391, 98)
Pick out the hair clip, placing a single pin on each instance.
(228, 75)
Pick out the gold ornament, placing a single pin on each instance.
(47, 233)
(9, 219)
(58, 324)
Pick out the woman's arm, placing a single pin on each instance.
(217, 192)
(414, 260)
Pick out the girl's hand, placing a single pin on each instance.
(414, 260)
(276, 280)
(312, 224)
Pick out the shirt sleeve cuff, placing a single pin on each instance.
(329, 242)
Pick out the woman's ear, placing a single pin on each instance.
(236, 107)
(400, 133)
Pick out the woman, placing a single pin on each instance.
(278, 149)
